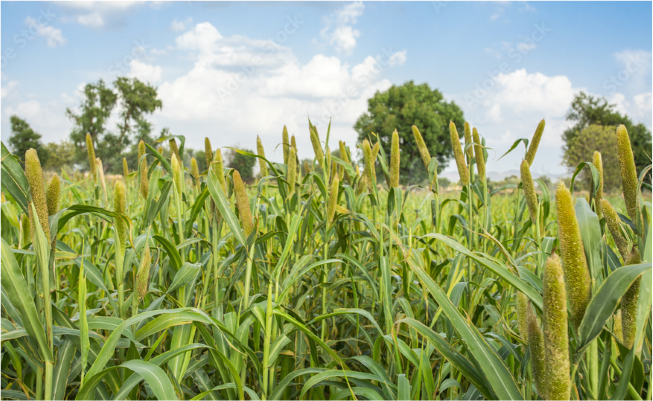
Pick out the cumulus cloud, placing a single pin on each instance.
(145, 72)
(338, 30)
(8, 88)
(509, 106)
(250, 87)
(96, 14)
(399, 58)
(52, 36)
(180, 26)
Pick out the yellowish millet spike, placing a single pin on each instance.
(375, 152)
(292, 171)
(54, 192)
(458, 154)
(24, 230)
(629, 304)
(100, 170)
(293, 143)
(369, 162)
(143, 274)
(363, 183)
(478, 152)
(285, 144)
(536, 346)
(90, 150)
(263, 166)
(208, 151)
(535, 142)
(628, 171)
(219, 170)
(317, 148)
(120, 206)
(529, 190)
(125, 168)
(144, 184)
(577, 275)
(522, 324)
(34, 175)
(333, 198)
(617, 327)
(242, 202)
(395, 160)
(469, 149)
(344, 155)
(556, 341)
(195, 172)
(612, 219)
(174, 149)
(421, 147)
(177, 174)
(598, 163)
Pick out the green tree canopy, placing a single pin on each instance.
(134, 99)
(587, 110)
(244, 164)
(401, 107)
(581, 148)
(60, 155)
(23, 137)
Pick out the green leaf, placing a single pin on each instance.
(590, 231)
(170, 249)
(492, 366)
(604, 303)
(452, 355)
(155, 377)
(643, 314)
(501, 271)
(13, 179)
(20, 296)
(187, 273)
(215, 189)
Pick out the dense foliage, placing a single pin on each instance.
(588, 110)
(316, 283)
(399, 108)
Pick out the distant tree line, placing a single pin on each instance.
(135, 101)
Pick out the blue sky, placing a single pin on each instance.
(231, 71)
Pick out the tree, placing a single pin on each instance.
(582, 146)
(587, 110)
(60, 155)
(401, 107)
(23, 137)
(244, 164)
(95, 110)
(136, 100)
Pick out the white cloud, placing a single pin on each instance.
(179, 26)
(145, 72)
(9, 88)
(634, 72)
(509, 107)
(524, 92)
(338, 30)
(96, 14)
(52, 36)
(399, 58)
(525, 47)
(643, 104)
(250, 87)
(93, 20)
(27, 109)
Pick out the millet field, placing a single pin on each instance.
(324, 280)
